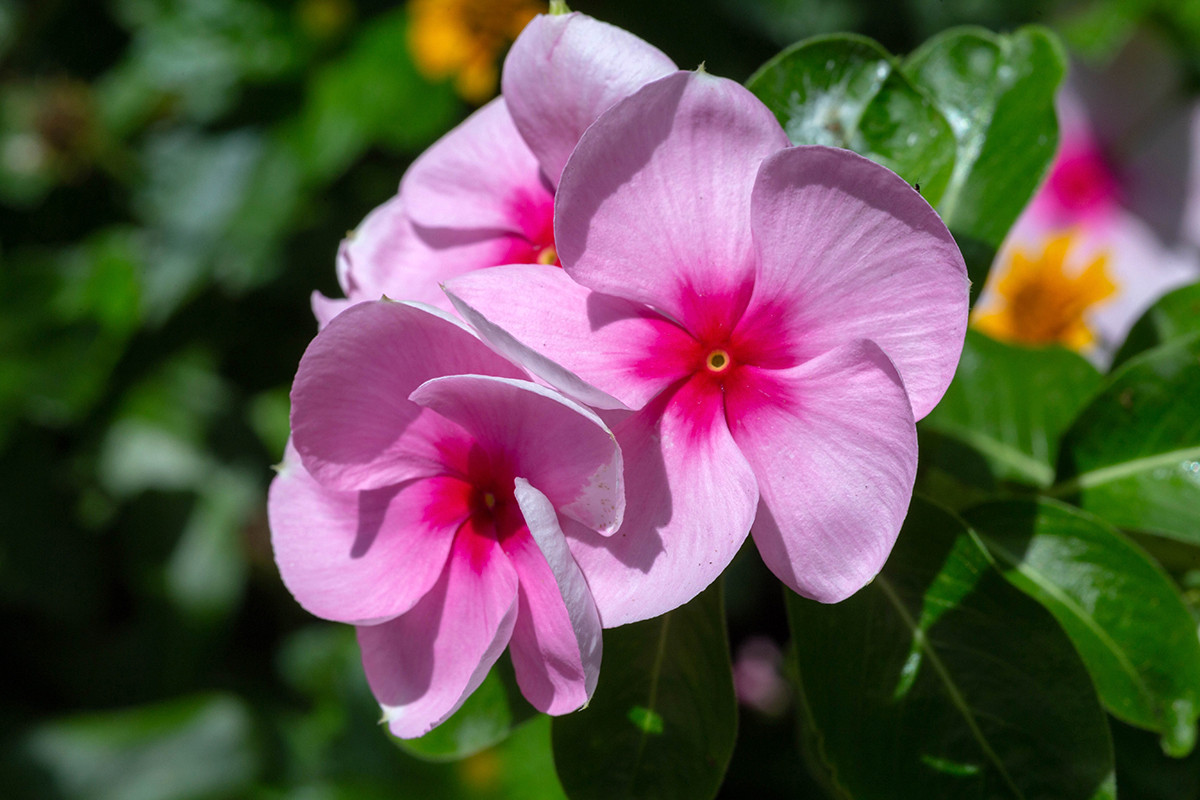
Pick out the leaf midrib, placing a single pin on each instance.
(1124, 469)
(951, 687)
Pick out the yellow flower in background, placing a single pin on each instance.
(1038, 303)
(464, 39)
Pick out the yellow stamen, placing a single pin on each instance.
(718, 361)
(547, 256)
(1041, 304)
(489, 500)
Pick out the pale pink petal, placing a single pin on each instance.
(654, 205)
(352, 422)
(601, 350)
(690, 500)
(556, 643)
(326, 308)
(848, 251)
(561, 446)
(834, 447)
(423, 665)
(361, 557)
(387, 255)
(564, 71)
(480, 175)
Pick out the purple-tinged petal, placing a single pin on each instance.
(387, 255)
(690, 500)
(481, 175)
(601, 350)
(540, 435)
(352, 422)
(848, 251)
(564, 71)
(834, 447)
(361, 557)
(556, 643)
(423, 665)
(654, 205)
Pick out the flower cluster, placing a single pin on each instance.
(680, 331)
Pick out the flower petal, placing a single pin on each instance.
(556, 643)
(564, 71)
(361, 557)
(690, 500)
(480, 175)
(834, 447)
(542, 436)
(853, 252)
(654, 205)
(326, 308)
(387, 255)
(601, 350)
(352, 422)
(423, 665)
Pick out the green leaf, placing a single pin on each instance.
(1013, 404)
(1121, 610)
(1175, 314)
(997, 92)
(487, 718)
(1133, 456)
(181, 750)
(663, 720)
(845, 91)
(941, 680)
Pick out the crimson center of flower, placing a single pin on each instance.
(489, 500)
(718, 361)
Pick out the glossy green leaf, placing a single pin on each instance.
(1175, 314)
(1124, 614)
(188, 749)
(1133, 456)
(487, 718)
(941, 680)
(663, 720)
(997, 92)
(1013, 404)
(845, 91)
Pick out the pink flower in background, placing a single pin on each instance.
(421, 499)
(776, 317)
(1079, 267)
(757, 677)
(484, 193)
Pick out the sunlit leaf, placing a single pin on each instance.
(1121, 610)
(846, 91)
(1175, 314)
(941, 680)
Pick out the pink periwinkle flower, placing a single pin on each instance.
(775, 317)
(484, 193)
(421, 500)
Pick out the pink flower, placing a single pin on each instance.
(484, 194)
(777, 316)
(421, 500)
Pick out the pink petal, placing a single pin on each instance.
(601, 350)
(326, 308)
(480, 175)
(423, 665)
(387, 255)
(564, 71)
(352, 422)
(834, 447)
(851, 251)
(556, 643)
(361, 557)
(654, 205)
(690, 500)
(561, 446)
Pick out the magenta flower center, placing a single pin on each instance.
(718, 361)
(1083, 182)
